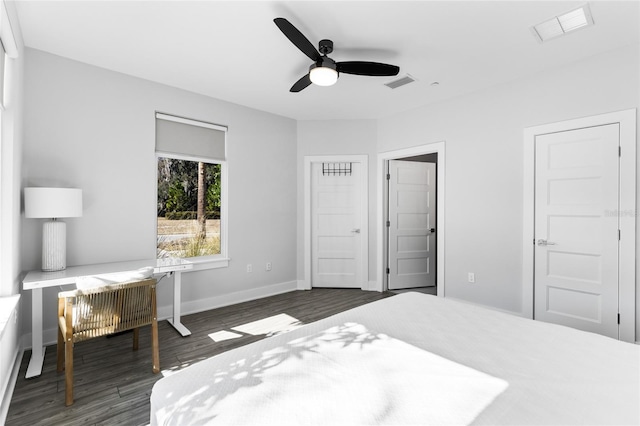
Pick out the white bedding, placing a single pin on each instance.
(411, 359)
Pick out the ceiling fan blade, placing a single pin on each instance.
(367, 68)
(297, 38)
(301, 84)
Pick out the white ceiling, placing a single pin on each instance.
(232, 50)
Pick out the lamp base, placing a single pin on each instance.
(54, 246)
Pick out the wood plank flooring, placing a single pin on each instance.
(113, 382)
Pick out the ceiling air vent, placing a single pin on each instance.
(400, 82)
(563, 24)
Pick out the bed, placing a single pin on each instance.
(411, 359)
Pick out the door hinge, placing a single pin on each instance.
(388, 176)
(618, 318)
(388, 223)
(618, 235)
(619, 151)
(388, 271)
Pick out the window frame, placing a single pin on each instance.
(220, 260)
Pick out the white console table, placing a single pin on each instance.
(35, 281)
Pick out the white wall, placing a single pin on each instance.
(92, 128)
(336, 137)
(106, 120)
(484, 139)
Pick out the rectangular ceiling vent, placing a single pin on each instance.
(563, 24)
(400, 82)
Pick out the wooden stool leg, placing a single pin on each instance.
(68, 364)
(60, 348)
(155, 354)
(136, 335)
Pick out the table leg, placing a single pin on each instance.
(175, 321)
(37, 350)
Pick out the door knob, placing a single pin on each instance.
(542, 242)
(355, 231)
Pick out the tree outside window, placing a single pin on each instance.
(188, 208)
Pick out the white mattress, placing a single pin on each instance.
(411, 359)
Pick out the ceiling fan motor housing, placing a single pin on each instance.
(325, 46)
(325, 62)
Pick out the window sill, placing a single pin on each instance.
(202, 264)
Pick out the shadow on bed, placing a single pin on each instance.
(344, 372)
(249, 371)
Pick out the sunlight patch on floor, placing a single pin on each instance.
(270, 326)
(221, 336)
(168, 372)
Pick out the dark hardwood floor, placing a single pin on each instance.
(113, 382)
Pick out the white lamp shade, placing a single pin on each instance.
(52, 202)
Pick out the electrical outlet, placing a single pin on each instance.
(472, 277)
(249, 268)
(267, 266)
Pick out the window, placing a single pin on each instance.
(2, 212)
(191, 189)
(3, 61)
(188, 208)
(8, 209)
(2, 103)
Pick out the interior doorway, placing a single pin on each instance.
(411, 223)
(335, 222)
(411, 232)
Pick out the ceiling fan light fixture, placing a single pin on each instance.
(324, 71)
(323, 76)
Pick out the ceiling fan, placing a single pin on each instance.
(325, 71)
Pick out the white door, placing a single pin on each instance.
(576, 229)
(412, 214)
(336, 250)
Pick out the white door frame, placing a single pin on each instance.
(382, 246)
(364, 211)
(627, 212)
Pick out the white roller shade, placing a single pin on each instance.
(190, 138)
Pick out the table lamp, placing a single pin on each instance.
(53, 204)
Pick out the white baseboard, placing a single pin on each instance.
(373, 286)
(195, 306)
(368, 286)
(50, 337)
(10, 386)
(493, 308)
